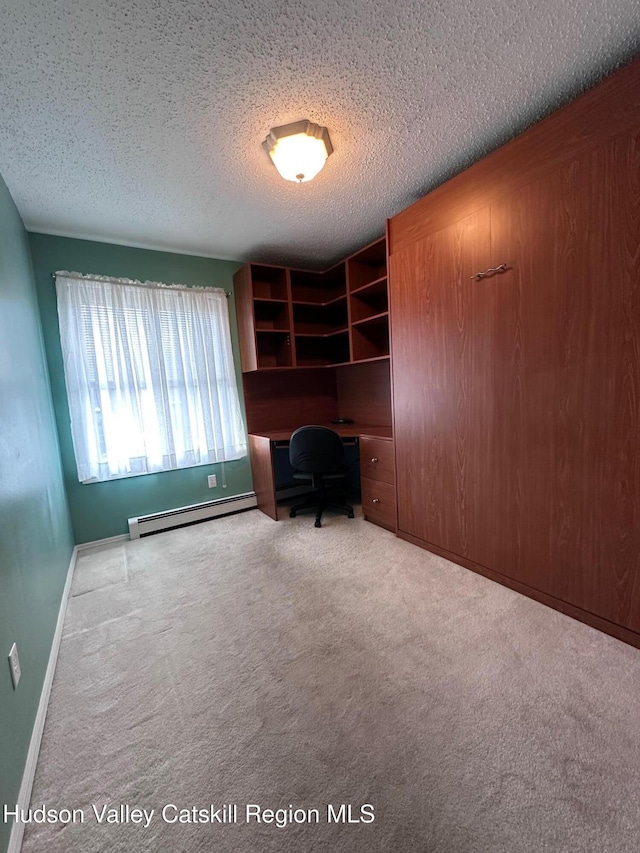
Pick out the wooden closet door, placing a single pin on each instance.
(566, 363)
(439, 329)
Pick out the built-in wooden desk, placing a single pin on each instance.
(262, 446)
(343, 430)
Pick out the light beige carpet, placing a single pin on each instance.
(244, 661)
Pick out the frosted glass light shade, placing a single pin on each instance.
(298, 150)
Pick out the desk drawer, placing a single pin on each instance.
(377, 460)
(379, 502)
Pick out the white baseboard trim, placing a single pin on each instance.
(99, 544)
(24, 795)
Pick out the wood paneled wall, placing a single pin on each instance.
(364, 393)
(517, 395)
(289, 398)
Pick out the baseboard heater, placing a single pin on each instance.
(144, 525)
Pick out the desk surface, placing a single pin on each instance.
(345, 430)
(262, 449)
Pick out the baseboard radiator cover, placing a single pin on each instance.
(144, 525)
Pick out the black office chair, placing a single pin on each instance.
(316, 454)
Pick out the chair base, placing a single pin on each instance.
(320, 502)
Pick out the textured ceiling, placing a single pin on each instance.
(141, 121)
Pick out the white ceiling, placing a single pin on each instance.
(141, 121)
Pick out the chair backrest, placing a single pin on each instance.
(316, 450)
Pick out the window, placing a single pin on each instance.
(149, 374)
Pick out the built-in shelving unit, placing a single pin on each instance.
(370, 337)
(299, 318)
(271, 314)
(318, 288)
(369, 302)
(269, 282)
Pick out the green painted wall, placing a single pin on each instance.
(36, 540)
(100, 510)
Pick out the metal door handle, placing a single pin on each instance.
(374, 458)
(490, 271)
(375, 500)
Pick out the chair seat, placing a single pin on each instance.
(301, 475)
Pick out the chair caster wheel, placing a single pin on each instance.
(292, 514)
(318, 523)
(351, 515)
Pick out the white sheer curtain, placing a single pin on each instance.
(149, 374)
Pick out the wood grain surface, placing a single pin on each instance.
(364, 392)
(263, 475)
(439, 329)
(379, 502)
(275, 399)
(565, 446)
(517, 397)
(243, 290)
(377, 460)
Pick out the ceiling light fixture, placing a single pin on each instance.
(298, 150)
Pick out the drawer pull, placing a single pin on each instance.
(374, 459)
(375, 500)
(485, 273)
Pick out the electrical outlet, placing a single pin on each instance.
(14, 665)
(212, 480)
